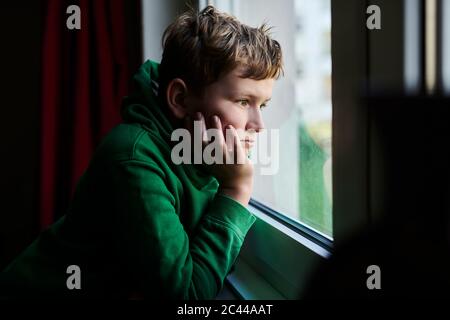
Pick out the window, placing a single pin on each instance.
(300, 184)
(445, 18)
(283, 251)
(293, 231)
(313, 99)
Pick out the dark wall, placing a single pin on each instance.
(21, 35)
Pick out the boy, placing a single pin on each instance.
(140, 224)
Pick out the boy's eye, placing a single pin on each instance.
(264, 105)
(243, 102)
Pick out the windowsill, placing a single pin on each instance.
(290, 233)
(276, 269)
(228, 293)
(247, 284)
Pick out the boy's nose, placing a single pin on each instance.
(255, 122)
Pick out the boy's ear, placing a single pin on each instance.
(176, 94)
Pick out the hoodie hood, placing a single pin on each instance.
(144, 106)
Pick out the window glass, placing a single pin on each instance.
(299, 183)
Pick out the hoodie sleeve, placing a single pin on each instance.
(154, 246)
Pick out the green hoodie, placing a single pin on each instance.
(137, 223)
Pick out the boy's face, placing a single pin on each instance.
(236, 101)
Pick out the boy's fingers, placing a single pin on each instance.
(196, 124)
(236, 152)
(204, 134)
(215, 130)
(199, 127)
(239, 149)
(217, 125)
(229, 144)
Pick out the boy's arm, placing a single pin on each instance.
(156, 248)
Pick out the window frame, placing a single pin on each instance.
(261, 275)
(358, 67)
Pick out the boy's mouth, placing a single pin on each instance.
(248, 143)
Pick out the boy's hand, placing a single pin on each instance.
(235, 174)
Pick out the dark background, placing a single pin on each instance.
(21, 31)
(22, 27)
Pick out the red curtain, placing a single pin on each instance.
(85, 74)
